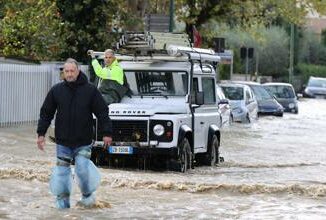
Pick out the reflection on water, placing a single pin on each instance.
(273, 169)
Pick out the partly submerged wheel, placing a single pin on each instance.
(185, 156)
(247, 119)
(212, 156)
(231, 120)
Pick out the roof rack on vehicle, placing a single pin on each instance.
(151, 40)
(160, 46)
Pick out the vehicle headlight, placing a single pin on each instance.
(158, 130)
(291, 105)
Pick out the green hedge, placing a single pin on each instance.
(307, 70)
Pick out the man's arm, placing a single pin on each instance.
(103, 73)
(46, 115)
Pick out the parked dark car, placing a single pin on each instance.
(285, 95)
(316, 88)
(267, 104)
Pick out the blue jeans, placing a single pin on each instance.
(87, 175)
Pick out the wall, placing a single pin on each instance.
(23, 89)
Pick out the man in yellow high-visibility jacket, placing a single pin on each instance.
(112, 77)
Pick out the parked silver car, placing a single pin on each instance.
(316, 88)
(242, 100)
(284, 94)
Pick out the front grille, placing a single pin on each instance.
(125, 131)
(129, 131)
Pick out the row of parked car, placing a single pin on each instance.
(242, 101)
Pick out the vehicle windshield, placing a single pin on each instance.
(283, 92)
(157, 83)
(261, 93)
(233, 93)
(313, 82)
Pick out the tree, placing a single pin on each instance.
(194, 12)
(312, 51)
(31, 29)
(2, 9)
(270, 43)
(245, 12)
(87, 26)
(273, 53)
(323, 37)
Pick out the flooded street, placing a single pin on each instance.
(274, 168)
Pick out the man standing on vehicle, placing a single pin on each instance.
(74, 101)
(112, 86)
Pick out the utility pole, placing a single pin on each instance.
(231, 66)
(247, 63)
(171, 12)
(246, 53)
(257, 65)
(291, 54)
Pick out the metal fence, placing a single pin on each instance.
(23, 89)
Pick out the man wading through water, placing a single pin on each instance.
(74, 101)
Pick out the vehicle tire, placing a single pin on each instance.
(185, 156)
(247, 119)
(231, 120)
(212, 156)
(221, 121)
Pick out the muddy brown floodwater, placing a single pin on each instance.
(274, 168)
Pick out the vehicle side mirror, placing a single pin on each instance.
(223, 101)
(199, 98)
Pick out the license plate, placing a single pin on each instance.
(120, 150)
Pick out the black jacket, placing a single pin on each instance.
(74, 103)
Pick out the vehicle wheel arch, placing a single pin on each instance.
(213, 130)
(231, 119)
(185, 138)
(186, 132)
(213, 137)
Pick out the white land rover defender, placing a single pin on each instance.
(171, 117)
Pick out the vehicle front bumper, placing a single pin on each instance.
(139, 151)
(278, 112)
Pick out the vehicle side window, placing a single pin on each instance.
(194, 89)
(208, 85)
(195, 85)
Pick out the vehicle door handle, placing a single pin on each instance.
(202, 122)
